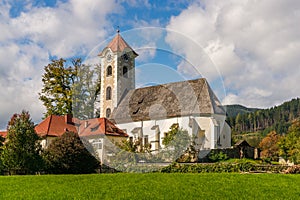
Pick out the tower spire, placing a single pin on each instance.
(118, 32)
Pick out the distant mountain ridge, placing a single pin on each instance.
(235, 109)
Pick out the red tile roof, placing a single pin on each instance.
(118, 44)
(3, 134)
(100, 126)
(55, 126)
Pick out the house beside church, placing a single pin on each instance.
(145, 114)
(98, 131)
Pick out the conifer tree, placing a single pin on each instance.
(21, 152)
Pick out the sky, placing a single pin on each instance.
(247, 49)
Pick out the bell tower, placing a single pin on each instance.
(117, 74)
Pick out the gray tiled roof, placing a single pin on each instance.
(168, 100)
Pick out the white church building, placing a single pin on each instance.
(146, 114)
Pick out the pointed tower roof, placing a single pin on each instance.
(118, 44)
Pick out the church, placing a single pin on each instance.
(146, 114)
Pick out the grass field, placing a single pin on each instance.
(151, 186)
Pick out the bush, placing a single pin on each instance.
(221, 168)
(292, 170)
(217, 156)
(68, 155)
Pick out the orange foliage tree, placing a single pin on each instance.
(269, 146)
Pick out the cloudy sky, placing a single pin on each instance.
(249, 47)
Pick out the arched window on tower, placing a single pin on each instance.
(108, 93)
(109, 71)
(125, 72)
(108, 112)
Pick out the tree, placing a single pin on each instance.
(1, 141)
(56, 93)
(86, 89)
(269, 146)
(1, 144)
(70, 88)
(68, 155)
(176, 141)
(21, 152)
(289, 145)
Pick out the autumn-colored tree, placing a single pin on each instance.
(69, 154)
(269, 146)
(289, 145)
(21, 152)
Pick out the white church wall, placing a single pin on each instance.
(225, 131)
(226, 136)
(205, 124)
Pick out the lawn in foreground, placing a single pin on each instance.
(151, 186)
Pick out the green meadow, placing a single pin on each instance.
(151, 186)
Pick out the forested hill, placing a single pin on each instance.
(279, 118)
(234, 110)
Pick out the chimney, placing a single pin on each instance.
(68, 118)
(86, 124)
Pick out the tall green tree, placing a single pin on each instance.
(56, 93)
(70, 89)
(69, 154)
(289, 145)
(21, 152)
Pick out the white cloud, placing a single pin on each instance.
(254, 44)
(69, 29)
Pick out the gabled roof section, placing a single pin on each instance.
(99, 126)
(55, 126)
(167, 101)
(118, 44)
(242, 143)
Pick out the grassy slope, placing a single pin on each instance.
(151, 186)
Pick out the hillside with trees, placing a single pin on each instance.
(235, 109)
(277, 118)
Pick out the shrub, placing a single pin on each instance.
(292, 170)
(221, 168)
(68, 155)
(217, 156)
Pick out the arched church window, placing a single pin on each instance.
(108, 93)
(109, 71)
(125, 72)
(108, 112)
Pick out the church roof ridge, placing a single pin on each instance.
(191, 97)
